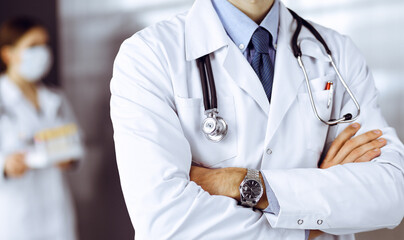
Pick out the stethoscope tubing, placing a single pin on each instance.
(217, 127)
(347, 118)
(207, 82)
(204, 83)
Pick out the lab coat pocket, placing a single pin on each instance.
(315, 131)
(205, 152)
(318, 84)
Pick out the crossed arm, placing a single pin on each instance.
(345, 149)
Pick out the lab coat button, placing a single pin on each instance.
(319, 222)
(269, 151)
(300, 221)
(241, 46)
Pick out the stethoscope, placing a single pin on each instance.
(215, 128)
(347, 118)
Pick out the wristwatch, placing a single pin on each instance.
(251, 189)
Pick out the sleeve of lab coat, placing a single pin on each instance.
(353, 197)
(154, 160)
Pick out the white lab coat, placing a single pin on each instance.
(38, 205)
(157, 113)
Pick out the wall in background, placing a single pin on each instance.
(91, 32)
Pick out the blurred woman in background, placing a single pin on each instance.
(35, 202)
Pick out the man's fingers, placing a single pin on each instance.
(369, 156)
(356, 142)
(344, 136)
(360, 151)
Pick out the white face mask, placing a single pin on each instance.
(36, 62)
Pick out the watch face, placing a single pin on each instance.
(251, 190)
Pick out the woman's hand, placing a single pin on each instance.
(349, 149)
(15, 165)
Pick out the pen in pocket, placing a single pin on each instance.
(329, 86)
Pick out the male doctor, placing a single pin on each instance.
(299, 177)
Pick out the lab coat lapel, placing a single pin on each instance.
(288, 75)
(243, 74)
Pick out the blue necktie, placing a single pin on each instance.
(261, 61)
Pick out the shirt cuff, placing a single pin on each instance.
(273, 204)
(307, 232)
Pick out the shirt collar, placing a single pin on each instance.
(240, 27)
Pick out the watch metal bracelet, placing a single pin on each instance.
(252, 174)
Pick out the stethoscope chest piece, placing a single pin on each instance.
(214, 127)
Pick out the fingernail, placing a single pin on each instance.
(377, 131)
(381, 140)
(376, 150)
(356, 125)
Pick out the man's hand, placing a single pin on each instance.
(346, 149)
(222, 181)
(15, 165)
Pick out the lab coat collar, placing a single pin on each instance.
(309, 45)
(204, 32)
